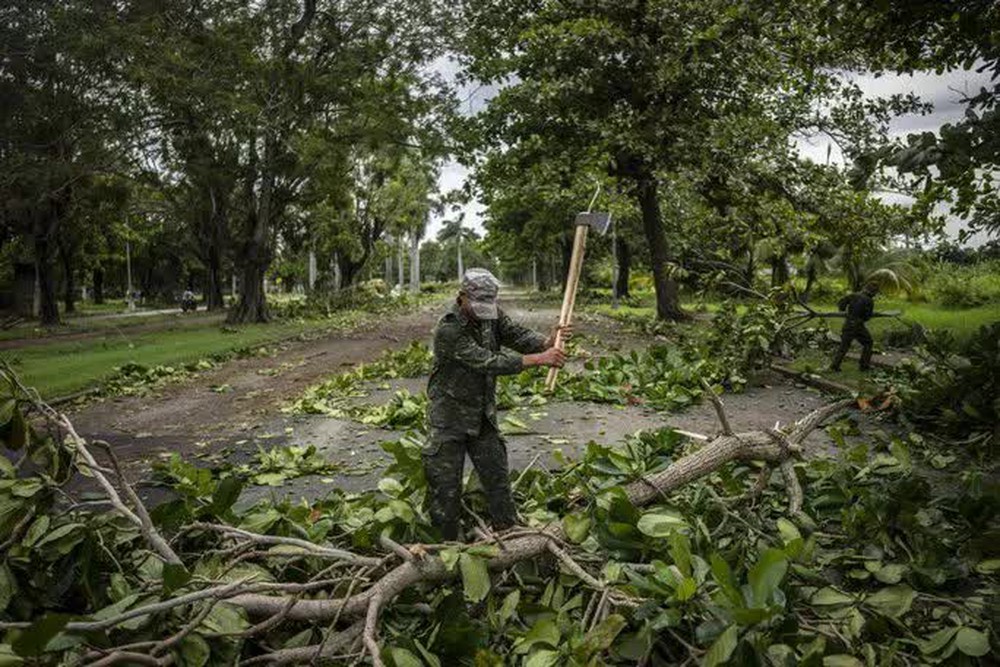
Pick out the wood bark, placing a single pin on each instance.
(624, 268)
(48, 310)
(668, 301)
(98, 284)
(69, 275)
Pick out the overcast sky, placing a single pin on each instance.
(944, 91)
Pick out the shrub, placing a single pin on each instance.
(965, 286)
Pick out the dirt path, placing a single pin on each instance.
(229, 401)
(201, 422)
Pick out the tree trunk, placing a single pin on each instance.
(624, 267)
(213, 290)
(255, 253)
(566, 248)
(48, 308)
(69, 284)
(98, 280)
(668, 302)
(810, 281)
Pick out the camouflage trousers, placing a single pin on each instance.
(854, 331)
(444, 463)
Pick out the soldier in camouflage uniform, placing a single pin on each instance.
(462, 392)
(858, 308)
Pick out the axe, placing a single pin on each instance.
(584, 222)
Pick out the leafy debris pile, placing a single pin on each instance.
(880, 567)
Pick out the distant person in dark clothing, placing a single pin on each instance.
(858, 308)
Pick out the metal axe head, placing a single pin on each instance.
(599, 222)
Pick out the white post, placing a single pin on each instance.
(461, 268)
(232, 290)
(534, 273)
(337, 275)
(402, 260)
(312, 270)
(414, 262)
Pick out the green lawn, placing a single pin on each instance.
(962, 322)
(57, 369)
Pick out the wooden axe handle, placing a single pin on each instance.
(569, 297)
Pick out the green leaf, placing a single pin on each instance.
(403, 658)
(194, 651)
(788, 531)
(576, 526)
(175, 575)
(972, 642)
(686, 589)
(7, 657)
(8, 585)
(722, 648)
(893, 601)
(937, 641)
(38, 528)
(542, 658)
(33, 639)
(723, 576)
(661, 523)
(842, 660)
(545, 631)
(509, 606)
(891, 573)
(988, 566)
(64, 531)
(390, 487)
(475, 577)
(7, 410)
(226, 619)
(225, 495)
(830, 596)
(603, 635)
(766, 574)
(450, 558)
(680, 551)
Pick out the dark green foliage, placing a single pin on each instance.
(955, 389)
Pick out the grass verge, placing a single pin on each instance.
(61, 368)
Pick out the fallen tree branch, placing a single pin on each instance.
(331, 647)
(309, 548)
(749, 446)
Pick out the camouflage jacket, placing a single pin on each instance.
(467, 361)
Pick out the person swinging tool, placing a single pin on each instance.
(462, 395)
(858, 308)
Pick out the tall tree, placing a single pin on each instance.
(643, 82)
(64, 121)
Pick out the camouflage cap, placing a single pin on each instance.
(481, 287)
